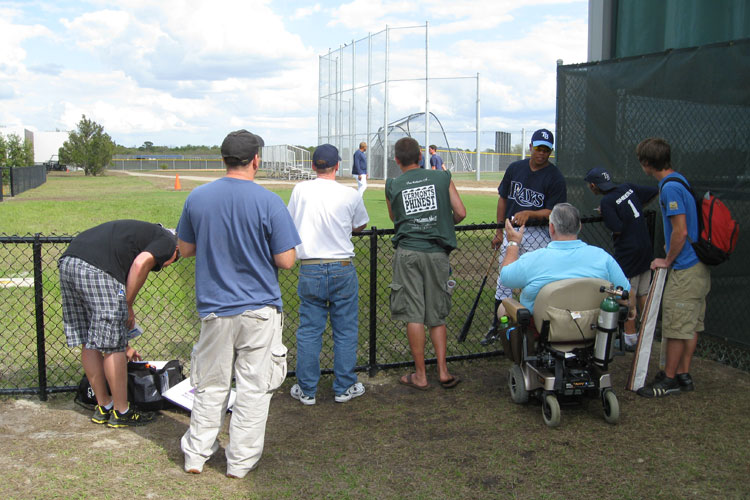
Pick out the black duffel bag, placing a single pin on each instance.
(146, 384)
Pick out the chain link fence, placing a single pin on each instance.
(35, 359)
(22, 179)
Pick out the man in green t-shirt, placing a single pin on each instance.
(424, 206)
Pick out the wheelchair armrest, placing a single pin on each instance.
(517, 312)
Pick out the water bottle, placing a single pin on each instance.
(503, 326)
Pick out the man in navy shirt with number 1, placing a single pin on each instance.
(622, 211)
(529, 190)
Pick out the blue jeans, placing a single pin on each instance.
(327, 289)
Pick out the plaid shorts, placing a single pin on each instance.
(94, 307)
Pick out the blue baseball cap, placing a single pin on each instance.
(543, 137)
(326, 156)
(601, 178)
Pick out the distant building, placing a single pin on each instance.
(46, 144)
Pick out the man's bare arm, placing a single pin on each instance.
(459, 210)
(142, 265)
(186, 249)
(285, 260)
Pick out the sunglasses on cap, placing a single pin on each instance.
(543, 149)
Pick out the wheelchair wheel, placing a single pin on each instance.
(611, 407)
(551, 410)
(517, 386)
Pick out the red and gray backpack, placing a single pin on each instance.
(717, 230)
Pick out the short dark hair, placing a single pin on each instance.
(234, 162)
(432, 146)
(655, 152)
(407, 151)
(323, 170)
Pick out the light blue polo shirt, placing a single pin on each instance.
(558, 261)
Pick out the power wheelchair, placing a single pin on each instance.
(566, 357)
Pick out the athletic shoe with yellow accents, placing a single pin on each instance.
(101, 415)
(130, 418)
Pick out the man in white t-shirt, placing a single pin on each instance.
(325, 214)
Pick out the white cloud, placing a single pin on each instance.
(187, 71)
(12, 37)
(169, 41)
(304, 12)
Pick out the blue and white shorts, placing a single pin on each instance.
(94, 307)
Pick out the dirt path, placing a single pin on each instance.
(463, 186)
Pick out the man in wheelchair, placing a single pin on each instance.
(561, 359)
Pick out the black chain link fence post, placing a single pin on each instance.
(41, 355)
(373, 360)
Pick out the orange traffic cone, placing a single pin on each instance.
(177, 186)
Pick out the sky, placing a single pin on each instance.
(177, 72)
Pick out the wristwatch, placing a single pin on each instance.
(512, 244)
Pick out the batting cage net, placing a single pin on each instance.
(408, 126)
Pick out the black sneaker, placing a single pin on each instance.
(490, 337)
(130, 418)
(101, 415)
(660, 388)
(685, 381)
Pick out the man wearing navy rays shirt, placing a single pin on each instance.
(528, 191)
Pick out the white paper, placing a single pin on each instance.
(183, 394)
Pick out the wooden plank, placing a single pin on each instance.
(650, 314)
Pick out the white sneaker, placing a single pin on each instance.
(354, 391)
(297, 394)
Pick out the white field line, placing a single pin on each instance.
(16, 282)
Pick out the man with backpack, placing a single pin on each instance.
(689, 279)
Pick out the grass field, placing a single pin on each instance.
(70, 202)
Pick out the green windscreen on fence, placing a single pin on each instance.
(697, 99)
(647, 26)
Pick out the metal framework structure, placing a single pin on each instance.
(348, 95)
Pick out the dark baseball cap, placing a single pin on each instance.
(601, 178)
(242, 145)
(543, 137)
(326, 156)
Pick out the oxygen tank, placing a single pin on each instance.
(607, 326)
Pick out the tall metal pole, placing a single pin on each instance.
(523, 144)
(353, 117)
(340, 129)
(427, 93)
(320, 96)
(328, 98)
(369, 93)
(479, 131)
(385, 106)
